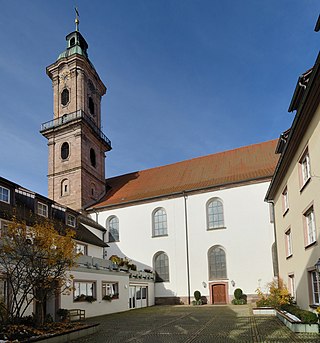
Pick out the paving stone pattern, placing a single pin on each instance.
(192, 324)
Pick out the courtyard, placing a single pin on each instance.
(192, 324)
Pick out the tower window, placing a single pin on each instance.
(65, 187)
(93, 158)
(64, 97)
(91, 106)
(72, 41)
(65, 150)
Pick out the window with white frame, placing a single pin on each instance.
(113, 228)
(305, 169)
(81, 249)
(288, 243)
(84, 289)
(292, 287)
(161, 266)
(217, 263)
(110, 290)
(160, 227)
(71, 220)
(42, 209)
(285, 201)
(310, 227)
(315, 286)
(4, 194)
(215, 216)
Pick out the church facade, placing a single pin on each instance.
(200, 224)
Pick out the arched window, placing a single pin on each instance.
(113, 228)
(217, 263)
(161, 266)
(215, 216)
(159, 222)
(65, 150)
(64, 97)
(65, 187)
(93, 158)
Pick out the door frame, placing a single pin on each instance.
(226, 288)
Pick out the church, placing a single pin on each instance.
(200, 224)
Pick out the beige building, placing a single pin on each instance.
(294, 191)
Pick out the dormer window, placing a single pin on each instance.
(71, 220)
(4, 194)
(42, 209)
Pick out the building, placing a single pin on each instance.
(294, 193)
(197, 223)
(200, 224)
(94, 275)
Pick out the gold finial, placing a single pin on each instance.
(77, 19)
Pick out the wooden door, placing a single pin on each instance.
(219, 294)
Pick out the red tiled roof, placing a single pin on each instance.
(244, 164)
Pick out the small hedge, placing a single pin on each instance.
(239, 297)
(306, 317)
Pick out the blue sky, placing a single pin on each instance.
(185, 78)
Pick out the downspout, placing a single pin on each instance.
(187, 243)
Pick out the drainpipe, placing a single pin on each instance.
(276, 262)
(187, 243)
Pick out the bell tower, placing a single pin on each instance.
(77, 146)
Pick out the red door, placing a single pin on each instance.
(219, 294)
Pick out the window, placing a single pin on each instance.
(65, 150)
(65, 188)
(42, 209)
(315, 287)
(64, 97)
(292, 288)
(161, 267)
(305, 171)
(81, 249)
(215, 214)
(217, 263)
(309, 227)
(71, 220)
(4, 194)
(83, 289)
(160, 222)
(285, 201)
(93, 158)
(113, 229)
(288, 243)
(91, 106)
(110, 290)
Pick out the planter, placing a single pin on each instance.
(264, 311)
(294, 323)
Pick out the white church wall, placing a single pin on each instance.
(247, 239)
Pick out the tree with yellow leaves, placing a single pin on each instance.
(35, 261)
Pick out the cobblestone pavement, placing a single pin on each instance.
(196, 324)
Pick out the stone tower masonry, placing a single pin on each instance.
(77, 146)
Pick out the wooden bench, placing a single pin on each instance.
(76, 314)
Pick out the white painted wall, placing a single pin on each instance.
(247, 239)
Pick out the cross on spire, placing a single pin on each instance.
(77, 21)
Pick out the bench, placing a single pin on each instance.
(76, 314)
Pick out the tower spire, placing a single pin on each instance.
(77, 21)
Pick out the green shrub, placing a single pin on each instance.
(306, 317)
(239, 301)
(197, 295)
(238, 293)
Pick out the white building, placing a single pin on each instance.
(200, 224)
